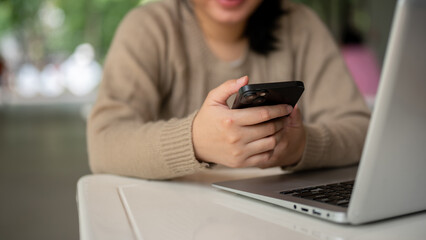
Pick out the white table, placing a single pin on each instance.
(113, 207)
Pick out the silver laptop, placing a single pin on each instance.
(391, 177)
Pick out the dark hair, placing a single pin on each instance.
(350, 34)
(262, 25)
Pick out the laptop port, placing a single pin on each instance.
(316, 212)
(305, 210)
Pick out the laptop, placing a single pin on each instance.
(391, 177)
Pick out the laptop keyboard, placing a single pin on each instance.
(337, 194)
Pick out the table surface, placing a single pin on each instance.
(113, 207)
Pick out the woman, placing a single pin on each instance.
(162, 107)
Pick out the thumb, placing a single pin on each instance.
(220, 94)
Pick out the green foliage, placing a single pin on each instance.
(5, 16)
(92, 21)
(18, 12)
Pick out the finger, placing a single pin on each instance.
(262, 130)
(279, 135)
(256, 115)
(259, 160)
(220, 94)
(260, 146)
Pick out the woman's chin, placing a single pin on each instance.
(232, 20)
(230, 17)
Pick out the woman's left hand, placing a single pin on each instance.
(292, 141)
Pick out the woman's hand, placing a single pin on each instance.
(251, 137)
(290, 148)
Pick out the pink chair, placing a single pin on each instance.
(364, 68)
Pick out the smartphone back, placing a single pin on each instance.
(253, 95)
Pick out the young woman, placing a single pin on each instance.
(162, 107)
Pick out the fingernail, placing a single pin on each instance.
(289, 108)
(241, 80)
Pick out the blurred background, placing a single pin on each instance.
(51, 56)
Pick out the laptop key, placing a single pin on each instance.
(342, 202)
(320, 196)
(287, 192)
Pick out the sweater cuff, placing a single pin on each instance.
(317, 140)
(176, 147)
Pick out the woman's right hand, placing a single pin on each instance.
(236, 137)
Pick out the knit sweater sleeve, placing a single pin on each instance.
(335, 115)
(125, 135)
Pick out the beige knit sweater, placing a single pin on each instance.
(159, 70)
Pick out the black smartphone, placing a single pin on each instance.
(253, 95)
